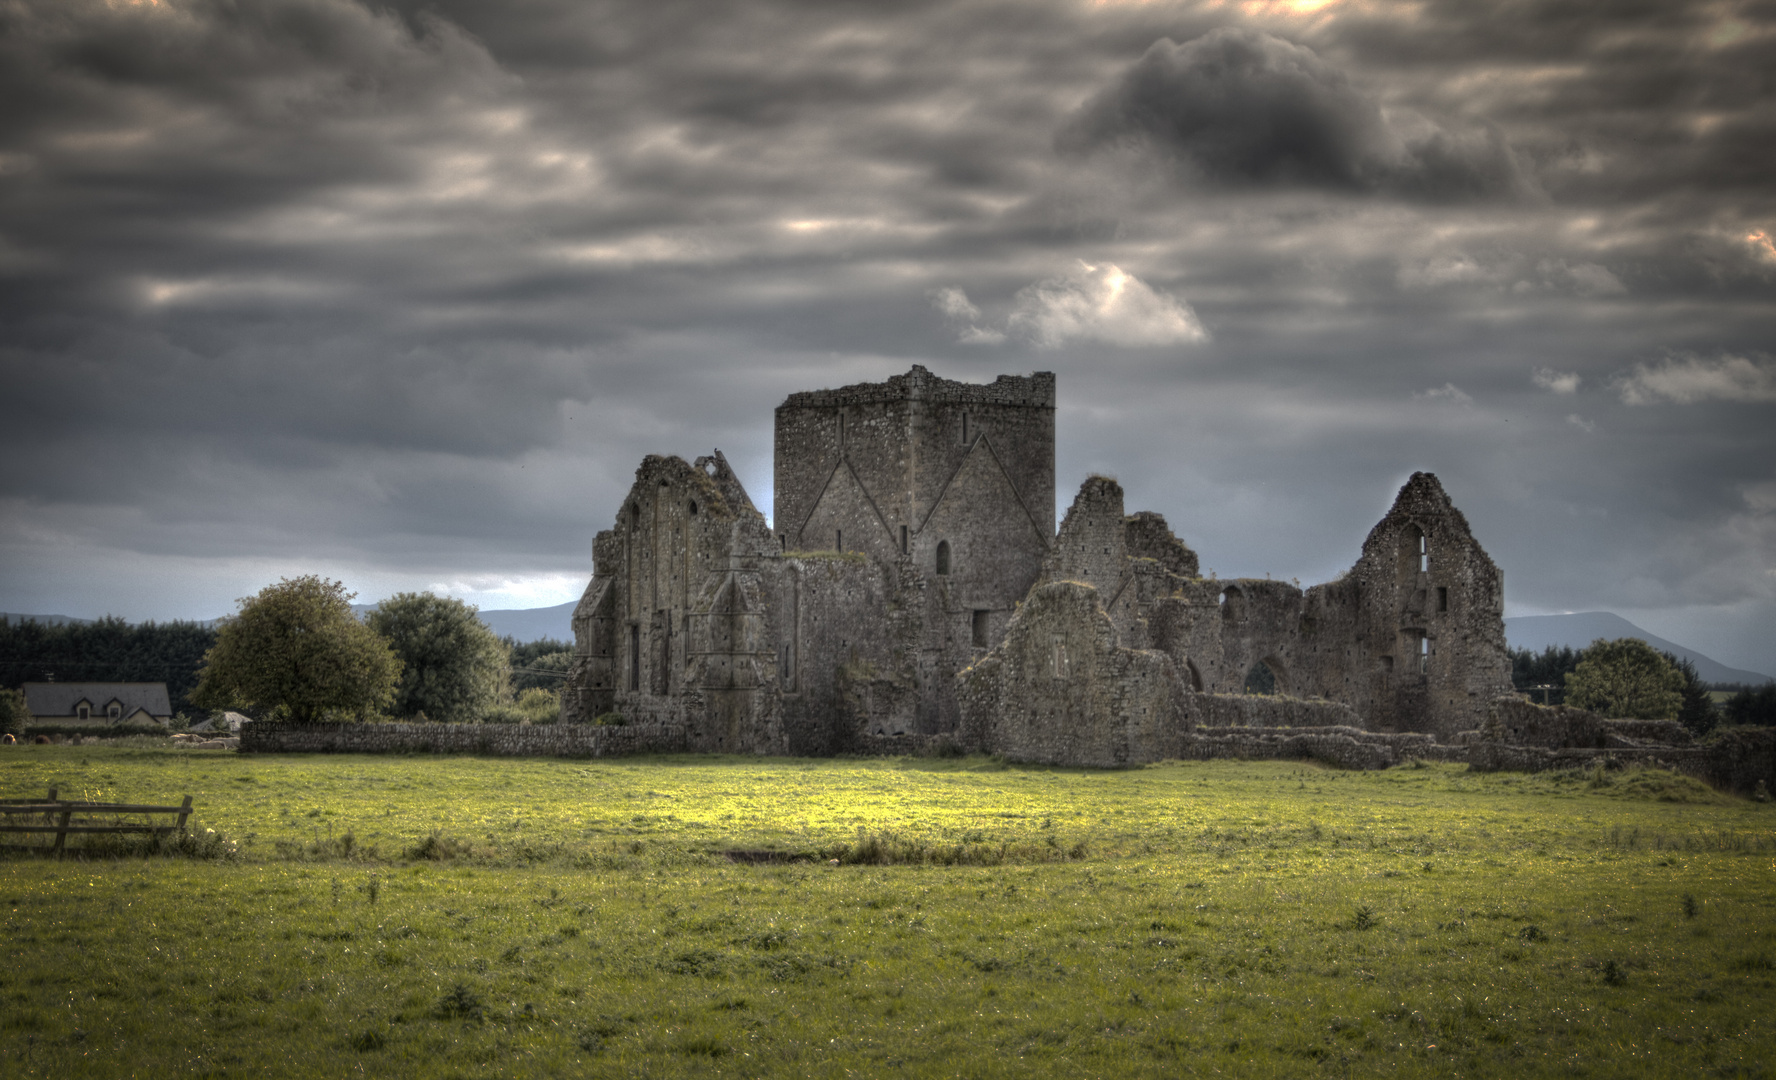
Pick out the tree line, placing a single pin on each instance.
(108, 650)
(296, 650)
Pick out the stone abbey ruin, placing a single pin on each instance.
(915, 596)
(915, 591)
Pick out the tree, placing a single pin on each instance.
(1626, 679)
(297, 649)
(1698, 712)
(456, 668)
(13, 713)
(1750, 706)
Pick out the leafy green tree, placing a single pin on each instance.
(546, 672)
(456, 668)
(1698, 712)
(1626, 679)
(13, 713)
(297, 649)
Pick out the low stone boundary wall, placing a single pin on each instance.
(1344, 747)
(503, 740)
(1736, 761)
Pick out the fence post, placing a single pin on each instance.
(62, 829)
(184, 812)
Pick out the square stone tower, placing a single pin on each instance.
(952, 481)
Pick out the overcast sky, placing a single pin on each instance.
(402, 293)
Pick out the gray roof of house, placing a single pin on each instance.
(47, 699)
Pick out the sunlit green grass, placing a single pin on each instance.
(1223, 918)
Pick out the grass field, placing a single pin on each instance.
(480, 918)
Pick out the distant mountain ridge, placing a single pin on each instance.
(1537, 632)
(520, 624)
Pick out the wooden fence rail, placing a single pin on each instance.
(58, 816)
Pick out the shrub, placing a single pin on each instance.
(539, 706)
(461, 1002)
(504, 714)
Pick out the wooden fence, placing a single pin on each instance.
(64, 816)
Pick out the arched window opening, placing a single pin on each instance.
(943, 558)
(1413, 550)
(1259, 680)
(693, 507)
(1233, 605)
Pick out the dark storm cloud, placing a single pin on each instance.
(1238, 106)
(403, 292)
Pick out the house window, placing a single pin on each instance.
(943, 558)
(980, 627)
(84, 711)
(115, 712)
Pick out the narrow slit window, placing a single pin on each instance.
(1424, 655)
(981, 615)
(903, 539)
(634, 657)
(943, 558)
(838, 540)
(1424, 553)
(1442, 598)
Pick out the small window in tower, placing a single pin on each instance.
(964, 429)
(980, 627)
(838, 539)
(1442, 598)
(903, 539)
(943, 558)
(1424, 553)
(1424, 655)
(693, 507)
